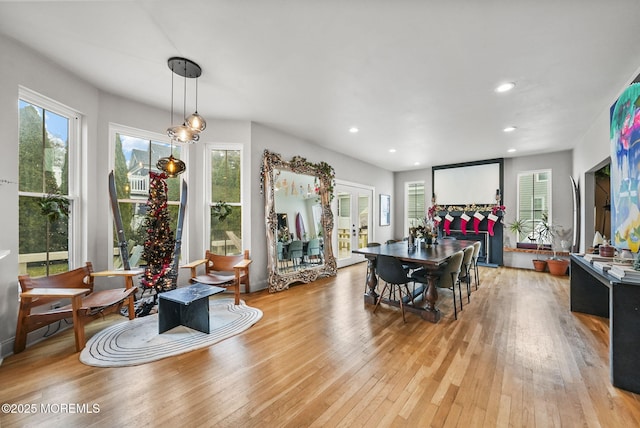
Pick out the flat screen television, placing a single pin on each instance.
(468, 183)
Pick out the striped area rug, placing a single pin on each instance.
(137, 341)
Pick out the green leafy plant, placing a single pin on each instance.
(54, 207)
(221, 210)
(518, 227)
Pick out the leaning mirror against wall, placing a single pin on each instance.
(299, 221)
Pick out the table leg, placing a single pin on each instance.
(431, 313)
(371, 296)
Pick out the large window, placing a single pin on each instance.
(136, 154)
(225, 203)
(415, 204)
(534, 202)
(48, 140)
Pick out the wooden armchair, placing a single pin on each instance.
(86, 305)
(223, 271)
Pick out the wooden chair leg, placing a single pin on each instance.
(78, 323)
(401, 303)
(21, 328)
(236, 293)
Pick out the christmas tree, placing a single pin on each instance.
(159, 245)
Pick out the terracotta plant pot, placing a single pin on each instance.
(558, 266)
(540, 265)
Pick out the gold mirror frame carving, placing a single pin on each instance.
(279, 281)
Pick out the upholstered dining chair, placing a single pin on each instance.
(283, 256)
(296, 252)
(313, 251)
(466, 269)
(476, 255)
(395, 277)
(223, 271)
(448, 278)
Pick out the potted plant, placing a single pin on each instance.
(518, 228)
(541, 233)
(559, 235)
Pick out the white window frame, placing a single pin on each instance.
(406, 202)
(536, 179)
(208, 204)
(115, 128)
(78, 222)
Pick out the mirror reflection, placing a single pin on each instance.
(299, 220)
(298, 210)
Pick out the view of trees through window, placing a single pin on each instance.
(534, 202)
(134, 158)
(225, 204)
(43, 170)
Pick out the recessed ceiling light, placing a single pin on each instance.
(511, 150)
(416, 163)
(505, 87)
(509, 129)
(392, 150)
(353, 130)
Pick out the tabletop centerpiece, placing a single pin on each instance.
(426, 233)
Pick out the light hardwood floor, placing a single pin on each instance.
(319, 357)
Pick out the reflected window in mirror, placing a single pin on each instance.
(225, 200)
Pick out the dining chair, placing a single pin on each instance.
(391, 271)
(313, 251)
(476, 255)
(466, 269)
(296, 252)
(283, 257)
(448, 277)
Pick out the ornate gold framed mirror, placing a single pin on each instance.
(298, 219)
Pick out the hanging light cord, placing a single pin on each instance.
(171, 119)
(184, 105)
(196, 95)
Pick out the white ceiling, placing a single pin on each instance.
(416, 76)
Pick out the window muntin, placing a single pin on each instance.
(134, 157)
(48, 135)
(225, 188)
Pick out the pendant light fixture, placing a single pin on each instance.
(189, 131)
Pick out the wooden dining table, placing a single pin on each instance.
(432, 258)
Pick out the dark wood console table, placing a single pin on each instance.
(598, 293)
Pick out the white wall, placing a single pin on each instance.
(560, 164)
(30, 70)
(593, 150)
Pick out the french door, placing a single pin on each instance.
(353, 221)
